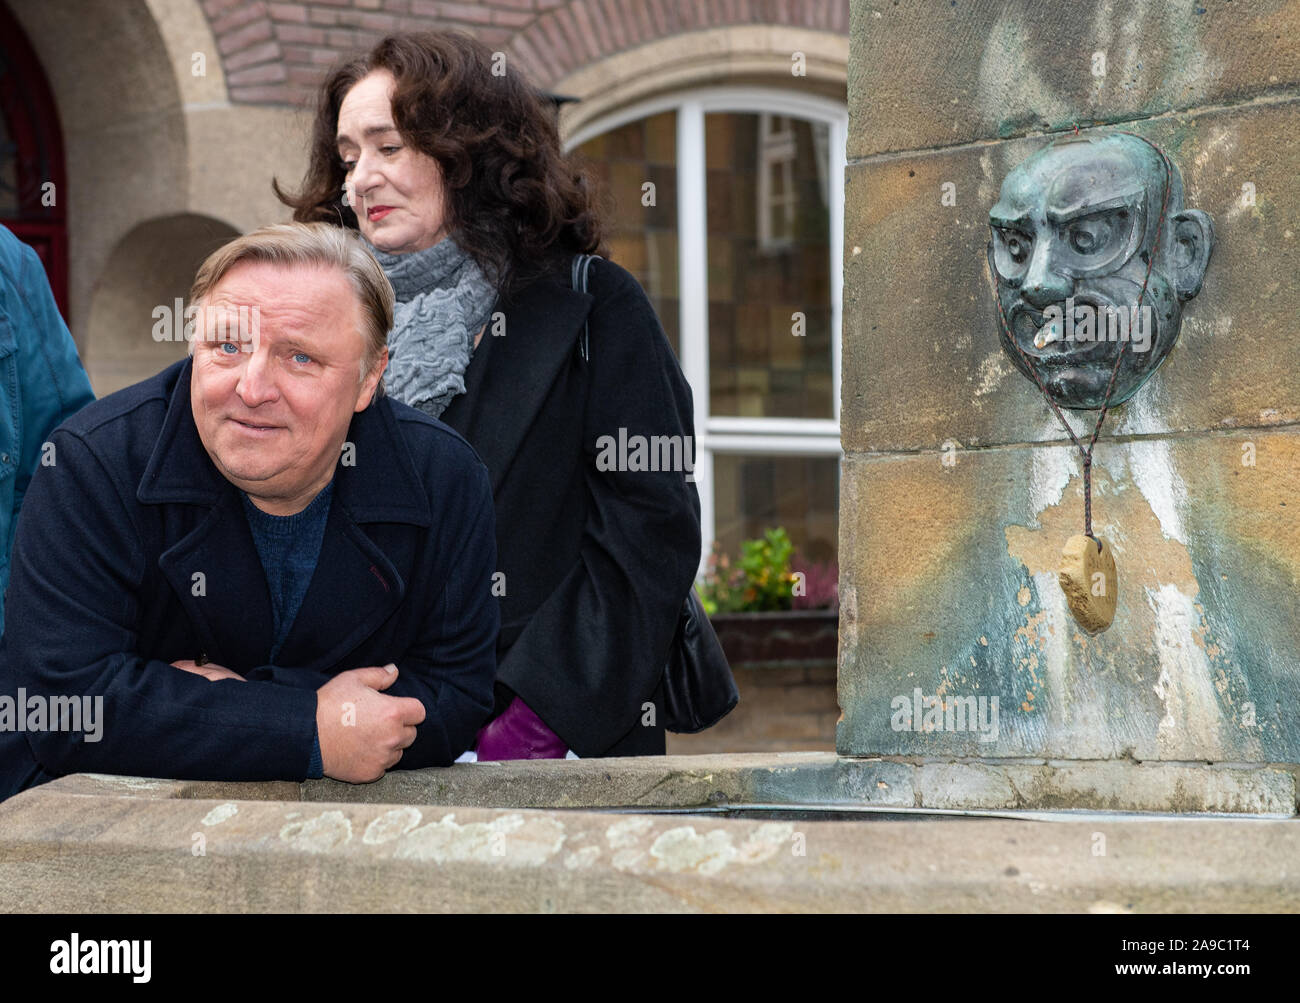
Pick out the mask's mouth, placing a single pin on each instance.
(1058, 339)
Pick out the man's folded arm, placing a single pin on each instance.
(451, 668)
(73, 610)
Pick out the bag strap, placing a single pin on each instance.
(578, 279)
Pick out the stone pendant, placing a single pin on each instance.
(1090, 583)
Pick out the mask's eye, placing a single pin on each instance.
(1017, 245)
(1011, 251)
(1093, 235)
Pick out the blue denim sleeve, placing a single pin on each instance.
(53, 383)
(49, 383)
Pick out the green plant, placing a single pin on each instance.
(762, 582)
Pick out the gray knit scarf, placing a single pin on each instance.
(443, 299)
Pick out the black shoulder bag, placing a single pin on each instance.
(699, 689)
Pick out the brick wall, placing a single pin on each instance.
(277, 52)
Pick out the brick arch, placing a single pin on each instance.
(581, 32)
(252, 56)
(277, 52)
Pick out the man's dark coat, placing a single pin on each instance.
(133, 551)
(596, 564)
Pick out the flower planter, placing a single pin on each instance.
(799, 636)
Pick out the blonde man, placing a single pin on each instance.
(266, 568)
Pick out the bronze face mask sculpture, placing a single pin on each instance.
(1074, 232)
(1093, 256)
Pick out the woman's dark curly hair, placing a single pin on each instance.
(516, 203)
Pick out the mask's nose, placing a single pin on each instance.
(1043, 285)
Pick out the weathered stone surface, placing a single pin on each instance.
(924, 75)
(651, 781)
(1102, 786)
(922, 364)
(109, 785)
(79, 853)
(802, 781)
(957, 650)
(1199, 663)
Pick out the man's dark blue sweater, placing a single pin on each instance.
(289, 546)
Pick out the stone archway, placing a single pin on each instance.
(151, 267)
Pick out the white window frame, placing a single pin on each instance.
(776, 150)
(727, 434)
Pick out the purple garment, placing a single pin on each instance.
(519, 734)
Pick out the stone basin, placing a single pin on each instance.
(671, 834)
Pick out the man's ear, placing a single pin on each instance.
(366, 394)
(1193, 239)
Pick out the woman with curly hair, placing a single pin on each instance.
(452, 171)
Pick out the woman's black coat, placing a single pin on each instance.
(596, 563)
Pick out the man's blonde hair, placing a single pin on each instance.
(312, 244)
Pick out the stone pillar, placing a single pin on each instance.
(959, 488)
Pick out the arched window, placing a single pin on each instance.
(728, 210)
(32, 193)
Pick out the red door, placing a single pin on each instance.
(33, 195)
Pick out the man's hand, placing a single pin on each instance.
(209, 670)
(362, 732)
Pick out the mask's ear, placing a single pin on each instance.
(1193, 239)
